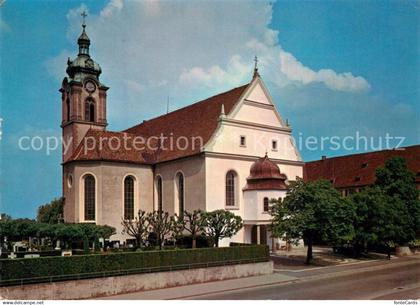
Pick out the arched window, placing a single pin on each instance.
(68, 109)
(129, 197)
(266, 204)
(90, 194)
(231, 178)
(90, 110)
(159, 193)
(179, 196)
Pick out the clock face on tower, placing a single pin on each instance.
(90, 86)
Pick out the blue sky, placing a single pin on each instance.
(333, 68)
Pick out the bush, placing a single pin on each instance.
(96, 265)
(185, 241)
(414, 243)
(234, 244)
(381, 248)
(152, 239)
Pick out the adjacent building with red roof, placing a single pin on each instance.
(353, 172)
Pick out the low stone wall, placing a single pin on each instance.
(100, 287)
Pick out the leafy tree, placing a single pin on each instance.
(137, 228)
(105, 231)
(194, 224)
(6, 230)
(221, 224)
(46, 230)
(152, 239)
(397, 181)
(21, 229)
(24, 229)
(313, 211)
(380, 219)
(92, 232)
(178, 226)
(389, 212)
(66, 233)
(161, 225)
(51, 212)
(4, 217)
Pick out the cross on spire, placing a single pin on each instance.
(256, 67)
(84, 15)
(83, 40)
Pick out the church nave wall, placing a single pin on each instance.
(194, 183)
(109, 195)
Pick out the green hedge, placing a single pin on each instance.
(30, 270)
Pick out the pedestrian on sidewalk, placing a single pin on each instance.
(389, 251)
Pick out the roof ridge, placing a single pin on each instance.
(368, 152)
(185, 107)
(198, 120)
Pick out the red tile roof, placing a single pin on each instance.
(110, 146)
(359, 170)
(194, 121)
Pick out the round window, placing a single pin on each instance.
(70, 180)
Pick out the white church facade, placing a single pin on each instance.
(231, 151)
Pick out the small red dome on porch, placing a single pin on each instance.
(265, 168)
(265, 175)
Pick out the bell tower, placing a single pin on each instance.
(83, 97)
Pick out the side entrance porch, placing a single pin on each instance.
(260, 234)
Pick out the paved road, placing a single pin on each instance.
(395, 279)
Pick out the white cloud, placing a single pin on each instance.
(57, 65)
(112, 7)
(296, 71)
(281, 67)
(149, 50)
(213, 77)
(4, 26)
(134, 86)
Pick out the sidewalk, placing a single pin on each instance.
(323, 256)
(204, 288)
(285, 277)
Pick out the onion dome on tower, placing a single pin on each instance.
(265, 175)
(83, 65)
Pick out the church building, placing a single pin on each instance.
(231, 151)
